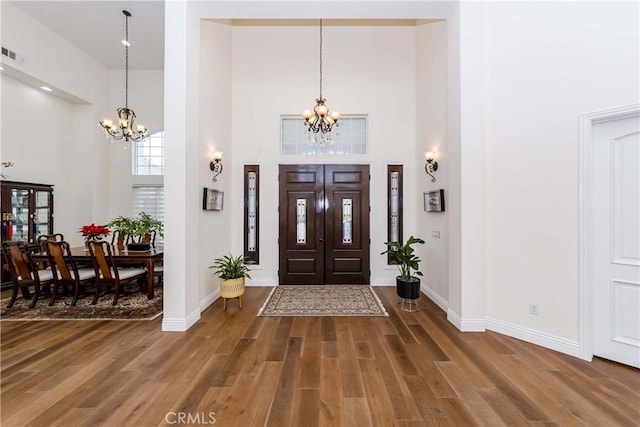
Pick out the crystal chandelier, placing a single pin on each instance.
(321, 119)
(126, 127)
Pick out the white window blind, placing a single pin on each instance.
(149, 199)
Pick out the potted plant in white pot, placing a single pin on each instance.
(232, 271)
(407, 284)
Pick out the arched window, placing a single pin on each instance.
(148, 155)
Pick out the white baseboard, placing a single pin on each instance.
(209, 299)
(433, 296)
(180, 324)
(532, 336)
(465, 325)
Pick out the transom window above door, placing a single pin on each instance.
(349, 137)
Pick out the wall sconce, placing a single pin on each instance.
(431, 165)
(216, 165)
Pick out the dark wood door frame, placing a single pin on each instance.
(333, 246)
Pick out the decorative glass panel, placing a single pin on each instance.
(251, 176)
(347, 221)
(395, 207)
(349, 137)
(301, 221)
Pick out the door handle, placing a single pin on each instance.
(321, 236)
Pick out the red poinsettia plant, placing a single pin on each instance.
(94, 232)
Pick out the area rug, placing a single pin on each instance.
(323, 300)
(133, 306)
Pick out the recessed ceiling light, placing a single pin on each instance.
(1, 68)
(125, 42)
(46, 88)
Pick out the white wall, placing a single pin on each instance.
(546, 63)
(215, 135)
(366, 70)
(35, 137)
(432, 135)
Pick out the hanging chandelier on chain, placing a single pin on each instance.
(320, 119)
(126, 127)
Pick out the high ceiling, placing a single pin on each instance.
(96, 27)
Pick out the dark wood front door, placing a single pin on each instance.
(324, 224)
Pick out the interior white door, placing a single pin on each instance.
(615, 240)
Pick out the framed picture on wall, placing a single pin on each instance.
(434, 201)
(212, 200)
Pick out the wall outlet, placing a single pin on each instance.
(435, 233)
(533, 309)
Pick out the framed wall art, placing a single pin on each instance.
(212, 200)
(434, 201)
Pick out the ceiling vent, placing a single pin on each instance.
(12, 55)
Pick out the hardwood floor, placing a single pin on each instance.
(235, 369)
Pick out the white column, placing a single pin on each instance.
(181, 309)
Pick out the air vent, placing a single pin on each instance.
(12, 55)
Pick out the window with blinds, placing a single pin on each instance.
(149, 199)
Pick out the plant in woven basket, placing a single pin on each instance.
(232, 270)
(231, 267)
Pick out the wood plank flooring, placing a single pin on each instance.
(235, 369)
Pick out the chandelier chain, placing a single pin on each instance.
(321, 59)
(126, 62)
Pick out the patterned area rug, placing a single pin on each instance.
(131, 306)
(323, 300)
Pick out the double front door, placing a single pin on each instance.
(323, 224)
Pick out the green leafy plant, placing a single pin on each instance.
(403, 254)
(232, 267)
(139, 227)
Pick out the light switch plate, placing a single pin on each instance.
(435, 233)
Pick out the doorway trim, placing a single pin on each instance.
(585, 187)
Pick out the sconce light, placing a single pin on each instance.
(431, 165)
(216, 165)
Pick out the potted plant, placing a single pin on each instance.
(407, 284)
(137, 230)
(232, 271)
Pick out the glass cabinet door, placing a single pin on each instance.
(42, 214)
(20, 215)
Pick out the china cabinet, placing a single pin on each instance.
(27, 212)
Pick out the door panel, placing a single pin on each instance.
(336, 249)
(347, 224)
(615, 246)
(301, 225)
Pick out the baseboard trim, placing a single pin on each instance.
(209, 299)
(433, 296)
(466, 325)
(552, 342)
(180, 324)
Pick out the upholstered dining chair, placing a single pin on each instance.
(65, 271)
(107, 271)
(24, 272)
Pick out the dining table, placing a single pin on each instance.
(124, 256)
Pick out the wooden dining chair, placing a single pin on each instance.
(107, 271)
(24, 272)
(65, 271)
(118, 240)
(44, 238)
